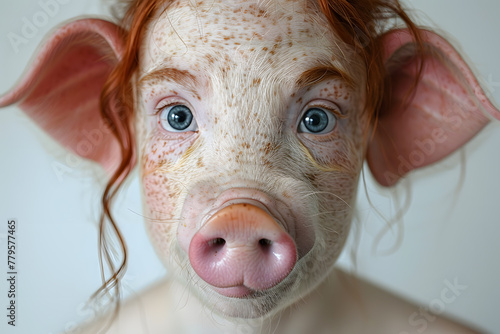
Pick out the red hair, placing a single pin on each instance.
(361, 24)
(358, 23)
(116, 104)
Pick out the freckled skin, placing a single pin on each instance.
(238, 64)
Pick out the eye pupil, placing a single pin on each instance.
(315, 120)
(180, 117)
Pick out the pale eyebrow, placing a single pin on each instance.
(319, 74)
(185, 78)
(181, 77)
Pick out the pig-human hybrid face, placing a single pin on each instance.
(248, 116)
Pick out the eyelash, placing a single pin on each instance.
(164, 105)
(336, 111)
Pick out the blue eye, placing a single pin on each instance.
(317, 121)
(178, 118)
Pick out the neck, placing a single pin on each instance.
(326, 305)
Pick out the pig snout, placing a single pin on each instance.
(242, 249)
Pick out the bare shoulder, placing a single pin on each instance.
(390, 313)
(343, 304)
(144, 312)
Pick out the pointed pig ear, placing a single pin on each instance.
(61, 89)
(446, 108)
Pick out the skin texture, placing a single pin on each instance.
(227, 75)
(359, 307)
(248, 92)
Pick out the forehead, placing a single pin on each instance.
(265, 37)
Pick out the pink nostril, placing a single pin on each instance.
(242, 248)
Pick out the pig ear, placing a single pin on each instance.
(60, 90)
(445, 110)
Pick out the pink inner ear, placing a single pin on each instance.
(446, 110)
(62, 87)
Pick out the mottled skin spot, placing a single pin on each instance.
(248, 86)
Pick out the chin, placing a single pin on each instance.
(260, 304)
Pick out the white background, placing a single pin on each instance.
(449, 234)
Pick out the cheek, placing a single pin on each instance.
(338, 192)
(339, 154)
(338, 162)
(162, 164)
(160, 179)
(163, 150)
(161, 188)
(158, 204)
(159, 196)
(337, 197)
